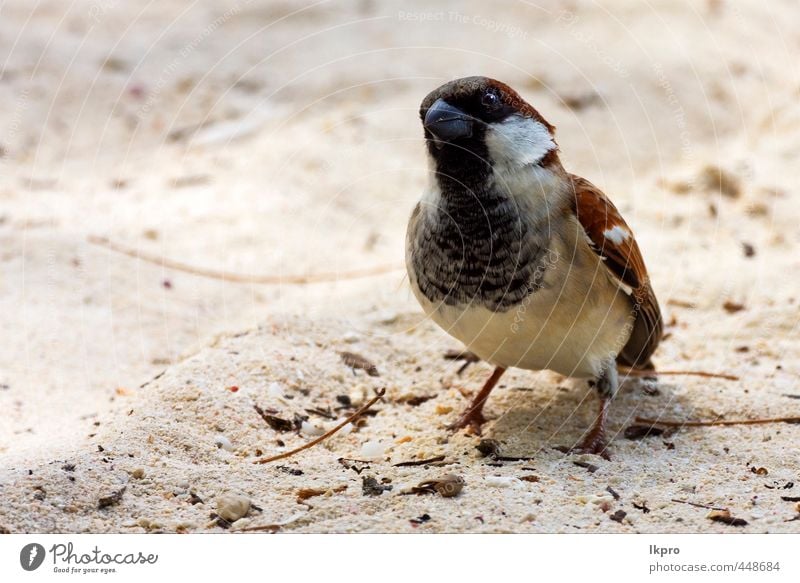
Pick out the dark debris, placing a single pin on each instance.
(276, 423)
(356, 361)
(618, 516)
(371, 487)
(634, 432)
(112, 499)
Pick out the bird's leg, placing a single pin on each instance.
(595, 440)
(473, 415)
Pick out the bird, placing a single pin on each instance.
(526, 264)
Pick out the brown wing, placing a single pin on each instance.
(613, 240)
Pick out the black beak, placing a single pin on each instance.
(447, 123)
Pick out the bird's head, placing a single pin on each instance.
(480, 123)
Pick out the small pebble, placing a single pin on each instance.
(138, 473)
(148, 524)
(311, 430)
(372, 449)
(387, 317)
(232, 507)
(595, 499)
(501, 481)
(488, 447)
(275, 390)
(351, 337)
(449, 485)
(223, 442)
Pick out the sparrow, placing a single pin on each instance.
(527, 265)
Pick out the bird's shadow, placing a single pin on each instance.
(555, 417)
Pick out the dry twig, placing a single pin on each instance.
(695, 504)
(239, 277)
(656, 373)
(667, 423)
(363, 409)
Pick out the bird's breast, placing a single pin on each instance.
(484, 254)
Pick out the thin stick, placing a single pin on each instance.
(697, 373)
(706, 506)
(241, 278)
(363, 409)
(433, 460)
(269, 527)
(719, 422)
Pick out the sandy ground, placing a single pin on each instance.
(282, 138)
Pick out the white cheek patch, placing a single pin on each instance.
(518, 141)
(617, 234)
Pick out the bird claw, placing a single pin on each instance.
(472, 419)
(593, 444)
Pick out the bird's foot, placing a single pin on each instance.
(594, 443)
(472, 419)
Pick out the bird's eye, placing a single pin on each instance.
(490, 100)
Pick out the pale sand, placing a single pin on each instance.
(309, 159)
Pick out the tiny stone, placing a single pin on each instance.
(449, 486)
(501, 481)
(387, 317)
(223, 442)
(275, 390)
(232, 507)
(372, 449)
(488, 447)
(311, 430)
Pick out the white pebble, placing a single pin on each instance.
(350, 337)
(346, 430)
(502, 481)
(311, 430)
(275, 390)
(595, 499)
(372, 449)
(387, 317)
(232, 507)
(223, 442)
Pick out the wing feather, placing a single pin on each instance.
(613, 240)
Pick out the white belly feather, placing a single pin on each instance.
(574, 325)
